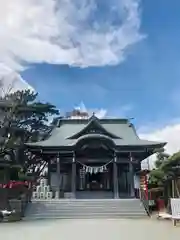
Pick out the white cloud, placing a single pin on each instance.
(122, 111)
(71, 32)
(99, 113)
(170, 134)
(11, 81)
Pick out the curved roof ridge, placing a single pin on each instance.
(96, 135)
(134, 130)
(92, 120)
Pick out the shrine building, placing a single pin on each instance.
(93, 158)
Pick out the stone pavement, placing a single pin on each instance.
(137, 229)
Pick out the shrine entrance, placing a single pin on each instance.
(94, 181)
(95, 184)
(94, 177)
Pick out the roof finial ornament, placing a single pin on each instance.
(93, 116)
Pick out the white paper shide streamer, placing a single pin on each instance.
(95, 169)
(90, 169)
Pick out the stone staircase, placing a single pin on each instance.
(84, 208)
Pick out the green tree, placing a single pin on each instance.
(22, 119)
(157, 175)
(161, 158)
(167, 167)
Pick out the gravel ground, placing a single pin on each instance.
(90, 229)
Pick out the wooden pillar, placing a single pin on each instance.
(115, 177)
(6, 175)
(49, 172)
(173, 188)
(58, 174)
(73, 177)
(131, 177)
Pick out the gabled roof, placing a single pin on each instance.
(69, 131)
(94, 123)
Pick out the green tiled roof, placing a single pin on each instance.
(121, 128)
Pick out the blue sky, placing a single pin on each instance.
(146, 85)
(119, 55)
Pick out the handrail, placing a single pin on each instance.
(145, 201)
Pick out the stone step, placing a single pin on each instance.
(82, 206)
(87, 200)
(60, 208)
(85, 208)
(85, 205)
(91, 204)
(68, 204)
(85, 216)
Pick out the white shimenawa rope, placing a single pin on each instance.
(97, 169)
